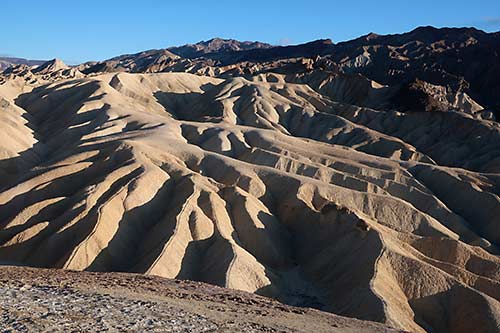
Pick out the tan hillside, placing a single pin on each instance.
(261, 185)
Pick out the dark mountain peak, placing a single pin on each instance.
(457, 30)
(325, 41)
(219, 44)
(216, 42)
(216, 45)
(217, 39)
(372, 36)
(424, 29)
(431, 34)
(424, 34)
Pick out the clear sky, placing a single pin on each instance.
(81, 30)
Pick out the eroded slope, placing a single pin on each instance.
(261, 185)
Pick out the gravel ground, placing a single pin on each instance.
(46, 308)
(40, 300)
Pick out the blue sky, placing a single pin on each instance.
(79, 30)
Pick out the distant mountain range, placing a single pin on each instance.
(464, 59)
(6, 62)
(460, 60)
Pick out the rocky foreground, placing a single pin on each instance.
(63, 301)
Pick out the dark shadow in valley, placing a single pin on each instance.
(192, 106)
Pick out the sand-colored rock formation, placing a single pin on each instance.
(281, 188)
(49, 71)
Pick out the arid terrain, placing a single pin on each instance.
(65, 301)
(360, 178)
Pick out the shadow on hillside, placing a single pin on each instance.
(192, 106)
(49, 119)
